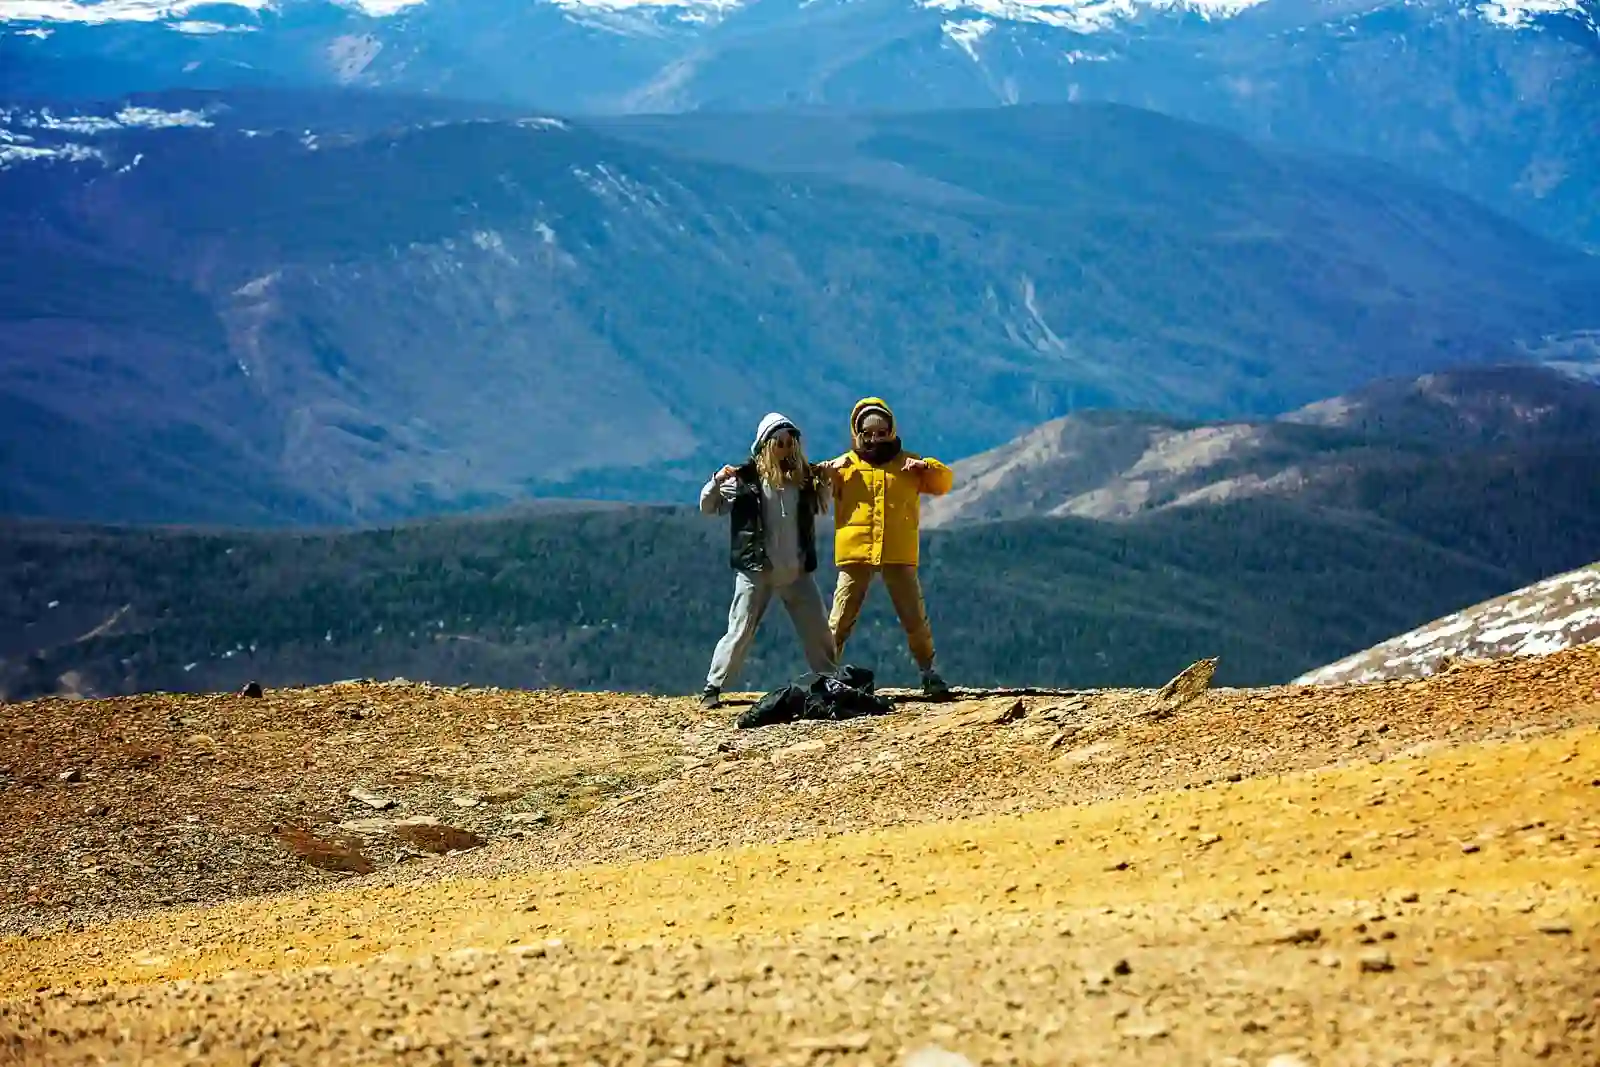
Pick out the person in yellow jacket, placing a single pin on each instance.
(877, 492)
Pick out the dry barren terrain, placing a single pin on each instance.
(1399, 873)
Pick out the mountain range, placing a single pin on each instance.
(1499, 100)
(1116, 465)
(1428, 496)
(267, 308)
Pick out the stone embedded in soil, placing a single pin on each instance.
(1305, 935)
(528, 818)
(371, 799)
(838, 1043)
(1376, 961)
(934, 1056)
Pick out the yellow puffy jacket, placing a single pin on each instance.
(878, 509)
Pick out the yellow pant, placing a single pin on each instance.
(905, 590)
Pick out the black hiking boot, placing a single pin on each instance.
(933, 686)
(711, 697)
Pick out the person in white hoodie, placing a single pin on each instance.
(773, 500)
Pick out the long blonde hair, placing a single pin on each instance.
(798, 473)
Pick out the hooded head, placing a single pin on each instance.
(771, 424)
(777, 453)
(873, 432)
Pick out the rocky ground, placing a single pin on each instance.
(1406, 872)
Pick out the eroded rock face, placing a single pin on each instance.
(1557, 613)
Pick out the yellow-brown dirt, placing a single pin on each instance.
(1403, 873)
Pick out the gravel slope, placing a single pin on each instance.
(1400, 873)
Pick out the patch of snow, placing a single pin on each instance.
(380, 8)
(156, 119)
(1559, 612)
(36, 31)
(258, 286)
(615, 187)
(1087, 16)
(126, 167)
(86, 124)
(1517, 14)
(540, 123)
(492, 242)
(696, 9)
(94, 125)
(202, 29)
(105, 11)
(11, 155)
(967, 33)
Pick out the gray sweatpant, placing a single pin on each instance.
(752, 594)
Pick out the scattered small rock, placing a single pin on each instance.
(797, 751)
(252, 690)
(1376, 961)
(1305, 935)
(466, 802)
(1122, 968)
(1554, 927)
(528, 818)
(839, 1043)
(371, 799)
(73, 775)
(934, 1056)
(1469, 848)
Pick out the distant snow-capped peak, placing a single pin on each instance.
(1085, 16)
(1081, 16)
(170, 11)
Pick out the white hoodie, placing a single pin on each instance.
(780, 510)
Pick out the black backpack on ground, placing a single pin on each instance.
(848, 693)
